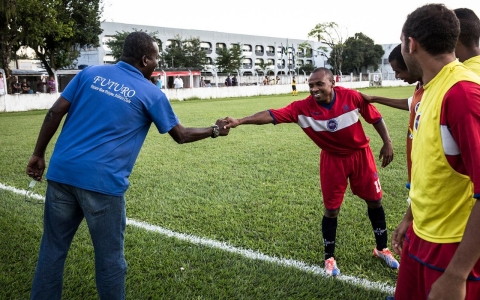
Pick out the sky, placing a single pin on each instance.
(380, 20)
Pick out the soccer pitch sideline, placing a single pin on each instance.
(238, 217)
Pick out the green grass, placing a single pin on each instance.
(256, 189)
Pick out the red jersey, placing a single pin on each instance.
(336, 127)
(460, 130)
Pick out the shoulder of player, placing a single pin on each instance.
(463, 93)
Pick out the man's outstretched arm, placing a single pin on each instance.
(259, 118)
(395, 103)
(183, 135)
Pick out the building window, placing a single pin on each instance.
(247, 63)
(247, 48)
(205, 46)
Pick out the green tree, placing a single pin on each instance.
(57, 29)
(116, 42)
(307, 68)
(264, 67)
(184, 53)
(10, 34)
(361, 52)
(330, 34)
(229, 60)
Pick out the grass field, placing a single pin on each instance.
(255, 191)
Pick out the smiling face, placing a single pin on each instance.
(321, 87)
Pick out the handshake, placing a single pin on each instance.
(225, 124)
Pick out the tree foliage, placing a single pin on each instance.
(361, 52)
(10, 34)
(184, 53)
(229, 60)
(57, 29)
(264, 67)
(116, 42)
(330, 34)
(54, 29)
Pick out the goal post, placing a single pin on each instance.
(375, 79)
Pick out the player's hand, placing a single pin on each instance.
(367, 98)
(386, 154)
(398, 236)
(231, 122)
(222, 126)
(36, 167)
(448, 287)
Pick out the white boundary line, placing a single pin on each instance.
(251, 254)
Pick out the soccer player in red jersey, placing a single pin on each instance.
(438, 236)
(330, 117)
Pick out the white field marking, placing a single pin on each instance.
(251, 254)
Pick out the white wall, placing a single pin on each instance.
(25, 102)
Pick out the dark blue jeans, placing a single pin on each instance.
(65, 208)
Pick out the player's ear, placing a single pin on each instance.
(412, 45)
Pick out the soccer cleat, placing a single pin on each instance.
(331, 267)
(387, 256)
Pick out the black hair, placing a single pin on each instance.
(469, 27)
(328, 72)
(396, 55)
(136, 45)
(434, 26)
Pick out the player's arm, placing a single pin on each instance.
(395, 103)
(259, 118)
(386, 153)
(183, 135)
(36, 165)
(398, 236)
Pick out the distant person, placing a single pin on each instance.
(51, 87)
(411, 104)
(202, 82)
(294, 86)
(16, 85)
(277, 79)
(438, 236)
(330, 118)
(26, 89)
(467, 48)
(2, 84)
(228, 81)
(92, 160)
(178, 82)
(234, 80)
(159, 83)
(265, 80)
(40, 85)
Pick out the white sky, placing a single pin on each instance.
(380, 20)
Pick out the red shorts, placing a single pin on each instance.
(359, 168)
(422, 263)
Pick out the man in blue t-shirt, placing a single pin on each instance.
(109, 111)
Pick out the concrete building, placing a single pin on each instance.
(256, 49)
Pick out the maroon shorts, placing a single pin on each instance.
(422, 263)
(359, 168)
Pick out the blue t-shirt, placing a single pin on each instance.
(111, 110)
